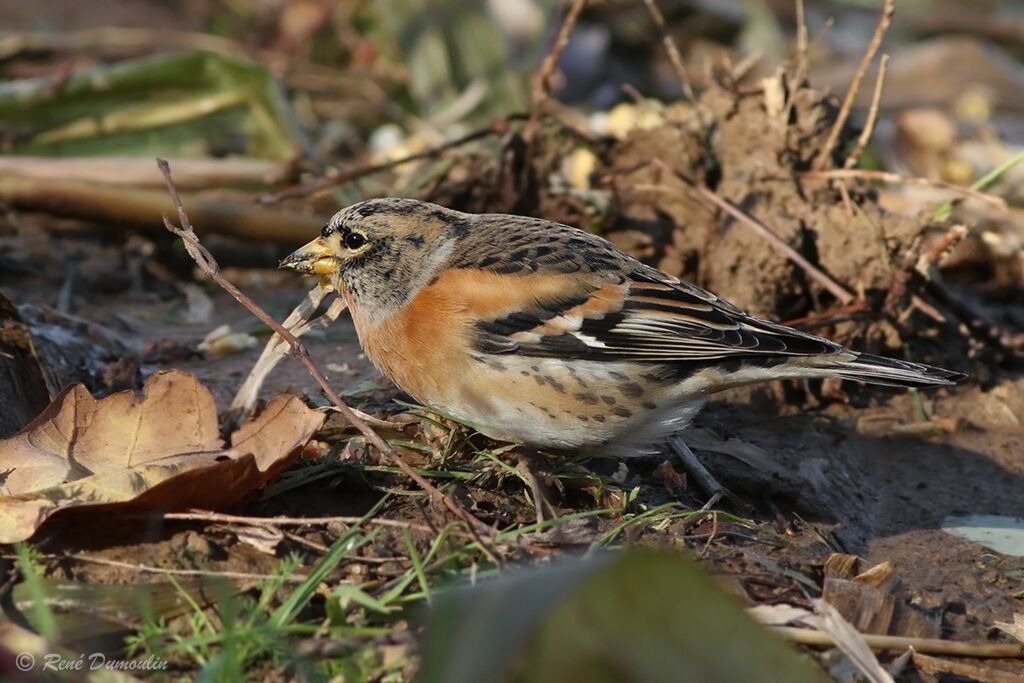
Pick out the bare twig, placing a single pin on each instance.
(116, 207)
(844, 111)
(695, 468)
(780, 245)
(808, 636)
(819, 37)
(869, 124)
(208, 264)
(498, 127)
(149, 569)
(886, 177)
(974, 672)
(830, 317)
(204, 516)
(672, 50)
(802, 48)
(938, 254)
(540, 89)
(194, 174)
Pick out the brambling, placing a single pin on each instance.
(541, 332)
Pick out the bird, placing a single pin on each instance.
(538, 332)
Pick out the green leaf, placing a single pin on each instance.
(640, 616)
(191, 104)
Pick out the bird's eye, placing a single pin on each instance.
(354, 240)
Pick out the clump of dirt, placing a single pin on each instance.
(752, 152)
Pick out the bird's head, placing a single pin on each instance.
(381, 251)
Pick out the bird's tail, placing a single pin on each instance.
(871, 369)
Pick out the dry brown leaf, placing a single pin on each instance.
(1015, 629)
(160, 452)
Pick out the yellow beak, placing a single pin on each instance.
(315, 258)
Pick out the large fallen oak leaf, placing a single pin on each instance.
(161, 452)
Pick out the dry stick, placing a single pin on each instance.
(541, 87)
(819, 37)
(886, 177)
(149, 569)
(974, 672)
(204, 516)
(802, 59)
(829, 317)
(496, 128)
(837, 290)
(807, 636)
(117, 207)
(844, 111)
(869, 125)
(704, 479)
(672, 50)
(206, 262)
(940, 253)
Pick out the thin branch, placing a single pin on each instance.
(973, 672)
(780, 245)
(802, 60)
(819, 37)
(149, 569)
(886, 177)
(540, 90)
(695, 468)
(672, 50)
(116, 208)
(939, 253)
(830, 317)
(869, 125)
(498, 127)
(208, 264)
(844, 111)
(204, 516)
(808, 636)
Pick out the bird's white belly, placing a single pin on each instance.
(609, 408)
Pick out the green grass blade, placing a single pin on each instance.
(45, 621)
(990, 178)
(348, 542)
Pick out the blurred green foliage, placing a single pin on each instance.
(191, 104)
(639, 616)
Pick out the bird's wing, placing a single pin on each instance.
(578, 296)
(645, 317)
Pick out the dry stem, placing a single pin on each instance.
(113, 207)
(808, 636)
(209, 265)
(496, 128)
(844, 111)
(802, 60)
(671, 49)
(886, 177)
(836, 289)
(541, 87)
(205, 516)
(869, 125)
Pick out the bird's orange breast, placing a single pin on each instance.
(425, 347)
